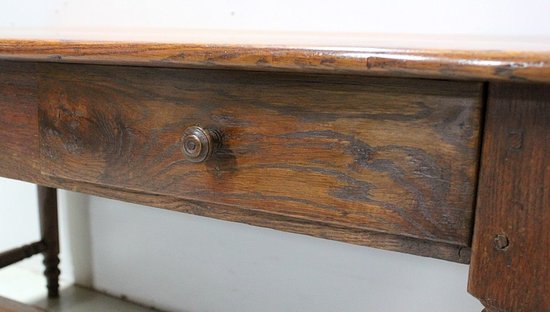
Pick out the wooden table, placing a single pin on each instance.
(438, 153)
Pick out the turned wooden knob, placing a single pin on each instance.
(199, 144)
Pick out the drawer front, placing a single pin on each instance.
(389, 155)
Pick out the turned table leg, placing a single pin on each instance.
(510, 264)
(47, 205)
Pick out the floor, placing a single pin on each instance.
(23, 285)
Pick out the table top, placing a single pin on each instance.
(472, 58)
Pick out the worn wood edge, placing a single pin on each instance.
(392, 242)
(8, 305)
(519, 66)
(212, 36)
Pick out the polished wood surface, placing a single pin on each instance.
(520, 66)
(388, 155)
(292, 141)
(421, 247)
(20, 162)
(510, 269)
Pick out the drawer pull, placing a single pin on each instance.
(199, 143)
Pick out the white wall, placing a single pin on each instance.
(489, 17)
(180, 262)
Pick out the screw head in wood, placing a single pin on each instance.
(501, 242)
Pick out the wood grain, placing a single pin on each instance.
(18, 121)
(386, 155)
(8, 305)
(420, 247)
(405, 62)
(510, 268)
(19, 160)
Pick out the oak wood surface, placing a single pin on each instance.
(8, 305)
(374, 60)
(510, 268)
(387, 155)
(19, 157)
(421, 247)
(19, 160)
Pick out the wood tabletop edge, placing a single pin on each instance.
(518, 66)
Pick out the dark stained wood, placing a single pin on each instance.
(510, 268)
(8, 305)
(386, 155)
(47, 205)
(18, 121)
(19, 157)
(407, 62)
(17, 254)
(384, 241)
(295, 143)
(19, 100)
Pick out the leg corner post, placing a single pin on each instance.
(47, 204)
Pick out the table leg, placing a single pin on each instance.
(510, 263)
(47, 205)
